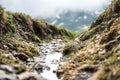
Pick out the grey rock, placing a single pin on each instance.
(118, 48)
(7, 68)
(38, 67)
(30, 76)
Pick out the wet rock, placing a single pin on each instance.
(30, 60)
(54, 71)
(30, 76)
(54, 61)
(7, 68)
(46, 51)
(22, 56)
(38, 67)
(59, 73)
(47, 67)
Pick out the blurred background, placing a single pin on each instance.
(76, 15)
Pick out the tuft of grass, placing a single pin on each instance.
(70, 48)
(6, 60)
(112, 67)
(22, 47)
(10, 23)
(67, 34)
(89, 33)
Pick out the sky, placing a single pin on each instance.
(50, 8)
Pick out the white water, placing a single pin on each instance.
(51, 53)
(49, 74)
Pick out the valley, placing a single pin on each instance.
(32, 49)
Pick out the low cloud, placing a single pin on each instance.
(50, 8)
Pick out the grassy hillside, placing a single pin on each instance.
(19, 33)
(97, 50)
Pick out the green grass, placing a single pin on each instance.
(67, 34)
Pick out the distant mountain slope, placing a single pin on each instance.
(74, 20)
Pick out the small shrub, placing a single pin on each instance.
(70, 48)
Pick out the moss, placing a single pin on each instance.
(116, 21)
(1, 13)
(89, 34)
(23, 47)
(36, 39)
(67, 34)
(112, 68)
(111, 35)
(21, 69)
(70, 48)
(10, 23)
(6, 60)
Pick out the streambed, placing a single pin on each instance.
(50, 59)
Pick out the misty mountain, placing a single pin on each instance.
(69, 13)
(75, 21)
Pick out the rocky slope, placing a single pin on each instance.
(19, 34)
(95, 54)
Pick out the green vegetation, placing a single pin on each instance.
(88, 34)
(24, 47)
(111, 67)
(70, 48)
(19, 32)
(100, 54)
(10, 23)
(67, 34)
(20, 69)
(8, 60)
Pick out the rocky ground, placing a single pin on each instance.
(95, 53)
(38, 68)
(23, 45)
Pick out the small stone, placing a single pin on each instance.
(30, 76)
(38, 67)
(102, 51)
(5, 46)
(7, 68)
(59, 73)
(118, 58)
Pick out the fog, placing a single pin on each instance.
(50, 8)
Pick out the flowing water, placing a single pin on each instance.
(50, 58)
